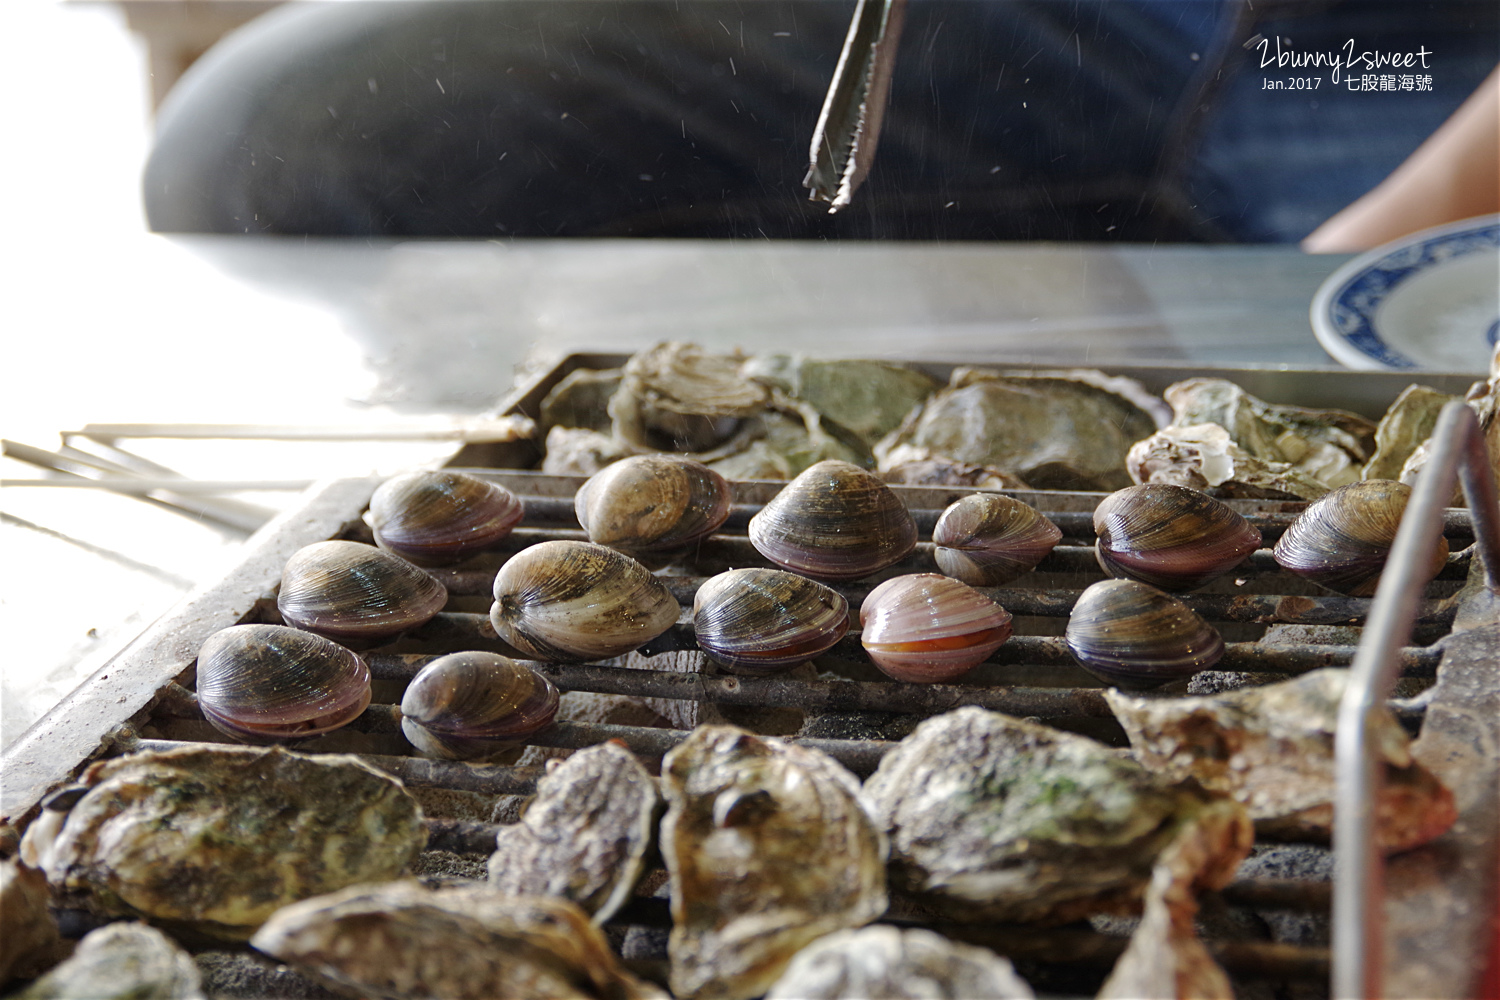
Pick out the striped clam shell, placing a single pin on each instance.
(760, 621)
(466, 706)
(1342, 539)
(570, 602)
(270, 683)
(438, 517)
(1129, 633)
(1169, 536)
(986, 539)
(652, 503)
(927, 628)
(835, 521)
(356, 594)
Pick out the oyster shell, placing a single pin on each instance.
(768, 847)
(782, 443)
(1330, 446)
(868, 398)
(1406, 424)
(892, 964)
(1165, 958)
(1055, 430)
(945, 472)
(585, 836)
(581, 399)
(992, 818)
(574, 451)
(400, 940)
(674, 396)
(28, 931)
(124, 961)
(1204, 457)
(220, 837)
(1271, 748)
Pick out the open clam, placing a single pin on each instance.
(264, 683)
(835, 522)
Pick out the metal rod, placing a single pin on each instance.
(1359, 870)
(143, 485)
(473, 431)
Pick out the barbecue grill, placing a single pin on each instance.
(1440, 899)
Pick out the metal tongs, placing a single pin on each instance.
(843, 144)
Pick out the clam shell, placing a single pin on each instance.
(760, 621)
(567, 601)
(652, 503)
(263, 683)
(926, 629)
(437, 517)
(1169, 536)
(466, 706)
(835, 522)
(1341, 540)
(986, 539)
(768, 847)
(1131, 634)
(356, 594)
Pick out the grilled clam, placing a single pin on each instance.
(1171, 537)
(1341, 540)
(467, 706)
(356, 594)
(760, 621)
(769, 847)
(652, 504)
(220, 837)
(437, 517)
(835, 522)
(567, 601)
(927, 628)
(986, 539)
(586, 834)
(263, 683)
(1128, 633)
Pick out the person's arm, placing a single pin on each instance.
(1454, 175)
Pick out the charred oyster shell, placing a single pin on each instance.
(768, 847)
(220, 837)
(400, 940)
(992, 818)
(585, 836)
(1271, 749)
(893, 964)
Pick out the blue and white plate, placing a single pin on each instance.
(1429, 300)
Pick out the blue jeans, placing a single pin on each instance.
(1008, 119)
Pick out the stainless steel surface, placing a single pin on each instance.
(1359, 943)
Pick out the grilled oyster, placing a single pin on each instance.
(1165, 958)
(674, 396)
(992, 818)
(768, 848)
(1055, 430)
(28, 931)
(585, 835)
(124, 961)
(220, 837)
(1271, 748)
(1204, 457)
(1406, 424)
(400, 940)
(1330, 446)
(867, 398)
(892, 964)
